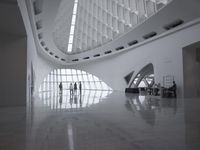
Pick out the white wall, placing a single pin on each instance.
(41, 66)
(164, 53)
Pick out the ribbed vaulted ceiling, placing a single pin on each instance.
(100, 21)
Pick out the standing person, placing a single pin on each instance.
(60, 93)
(60, 87)
(173, 88)
(71, 89)
(75, 88)
(80, 88)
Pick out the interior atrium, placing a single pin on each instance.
(100, 74)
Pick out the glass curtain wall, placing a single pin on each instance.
(93, 90)
(67, 76)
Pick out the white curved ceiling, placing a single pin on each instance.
(103, 27)
(100, 21)
(62, 25)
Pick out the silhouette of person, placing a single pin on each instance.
(173, 88)
(75, 88)
(60, 87)
(71, 89)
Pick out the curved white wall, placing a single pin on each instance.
(164, 53)
(41, 66)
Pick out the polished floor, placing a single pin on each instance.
(101, 120)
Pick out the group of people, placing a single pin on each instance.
(73, 88)
(73, 93)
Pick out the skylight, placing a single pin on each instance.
(71, 36)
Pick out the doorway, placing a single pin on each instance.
(191, 70)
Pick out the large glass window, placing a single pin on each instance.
(67, 76)
(93, 90)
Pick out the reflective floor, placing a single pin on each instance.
(73, 101)
(114, 121)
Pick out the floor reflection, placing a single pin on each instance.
(118, 122)
(148, 106)
(75, 101)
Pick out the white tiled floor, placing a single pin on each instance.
(116, 122)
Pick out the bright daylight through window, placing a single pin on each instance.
(93, 89)
(71, 36)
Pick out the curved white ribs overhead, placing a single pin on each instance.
(104, 27)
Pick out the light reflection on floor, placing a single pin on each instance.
(73, 102)
(147, 106)
(141, 102)
(117, 121)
